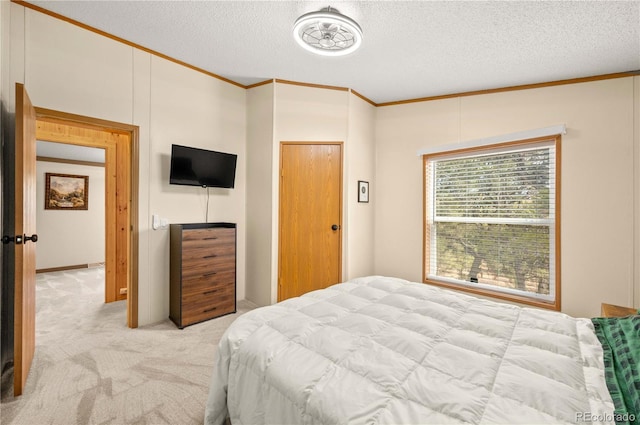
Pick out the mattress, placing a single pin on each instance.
(382, 350)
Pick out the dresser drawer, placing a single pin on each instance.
(206, 252)
(212, 296)
(209, 282)
(199, 307)
(195, 268)
(207, 238)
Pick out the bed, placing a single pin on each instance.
(381, 350)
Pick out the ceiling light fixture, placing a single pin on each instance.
(327, 32)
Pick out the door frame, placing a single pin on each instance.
(118, 203)
(341, 196)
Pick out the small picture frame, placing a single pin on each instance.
(363, 191)
(66, 192)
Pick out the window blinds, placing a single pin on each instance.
(491, 218)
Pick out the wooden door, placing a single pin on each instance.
(310, 235)
(25, 226)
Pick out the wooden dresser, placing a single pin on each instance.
(202, 272)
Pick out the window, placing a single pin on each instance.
(492, 220)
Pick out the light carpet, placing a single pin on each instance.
(89, 368)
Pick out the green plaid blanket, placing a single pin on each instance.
(620, 339)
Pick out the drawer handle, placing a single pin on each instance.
(210, 256)
(210, 238)
(210, 309)
(209, 274)
(213, 291)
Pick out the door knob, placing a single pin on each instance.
(33, 238)
(335, 227)
(8, 239)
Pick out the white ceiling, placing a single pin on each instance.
(411, 49)
(65, 151)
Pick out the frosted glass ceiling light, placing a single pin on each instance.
(327, 32)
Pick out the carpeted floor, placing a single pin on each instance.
(89, 368)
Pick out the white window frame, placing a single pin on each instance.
(550, 301)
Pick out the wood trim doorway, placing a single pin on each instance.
(120, 142)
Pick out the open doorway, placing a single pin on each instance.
(70, 207)
(119, 143)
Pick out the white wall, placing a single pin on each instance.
(71, 237)
(193, 109)
(73, 70)
(310, 114)
(400, 132)
(360, 165)
(69, 69)
(260, 212)
(599, 179)
(281, 112)
(305, 114)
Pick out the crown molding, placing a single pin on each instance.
(398, 102)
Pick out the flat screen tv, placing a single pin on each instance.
(201, 167)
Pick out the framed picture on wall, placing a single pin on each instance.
(66, 192)
(363, 191)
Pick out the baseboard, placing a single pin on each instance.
(59, 269)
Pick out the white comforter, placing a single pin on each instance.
(381, 350)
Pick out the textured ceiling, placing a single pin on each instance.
(411, 49)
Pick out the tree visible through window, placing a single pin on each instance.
(492, 222)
